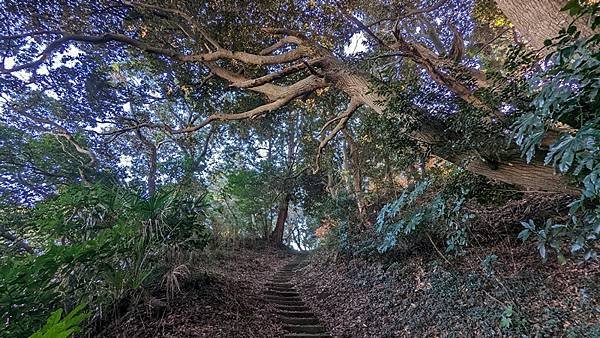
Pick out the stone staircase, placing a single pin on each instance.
(297, 317)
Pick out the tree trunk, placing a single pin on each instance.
(282, 214)
(532, 176)
(354, 168)
(152, 150)
(538, 20)
(152, 170)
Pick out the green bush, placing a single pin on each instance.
(434, 204)
(566, 90)
(99, 245)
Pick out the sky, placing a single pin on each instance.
(356, 44)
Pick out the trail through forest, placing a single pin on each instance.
(163, 164)
(263, 292)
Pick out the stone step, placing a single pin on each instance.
(295, 314)
(288, 303)
(279, 293)
(287, 298)
(282, 292)
(304, 328)
(299, 320)
(280, 285)
(292, 308)
(282, 289)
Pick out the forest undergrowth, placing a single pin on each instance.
(222, 297)
(497, 286)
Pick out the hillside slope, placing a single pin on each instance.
(223, 298)
(513, 294)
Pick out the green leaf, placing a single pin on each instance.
(542, 250)
(505, 322)
(57, 328)
(523, 235)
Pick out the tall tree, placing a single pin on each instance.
(285, 61)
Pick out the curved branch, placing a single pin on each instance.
(286, 40)
(28, 34)
(412, 11)
(272, 76)
(284, 96)
(251, 114)
(195, 24)
(219, 54)
(17, 242)
(415, 11)
(343, 120)
(361, 26)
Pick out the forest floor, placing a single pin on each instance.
(423, 295)
(419, 294)
(499, 287)
(223, 298)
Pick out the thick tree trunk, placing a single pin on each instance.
(532, 176)
(282, 214)
(538, 20)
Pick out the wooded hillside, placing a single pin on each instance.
(145, 144)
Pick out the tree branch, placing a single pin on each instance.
(361, 26)
(18, 242)
(286, 40)
(219, 54)
(272, 76)
(343, 120)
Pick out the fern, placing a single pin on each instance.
(56, 327)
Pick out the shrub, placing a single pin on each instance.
(565, 90)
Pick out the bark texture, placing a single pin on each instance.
(152, 152)
(538, 20)
(282, 214)
(353, 166)
(511, 169)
